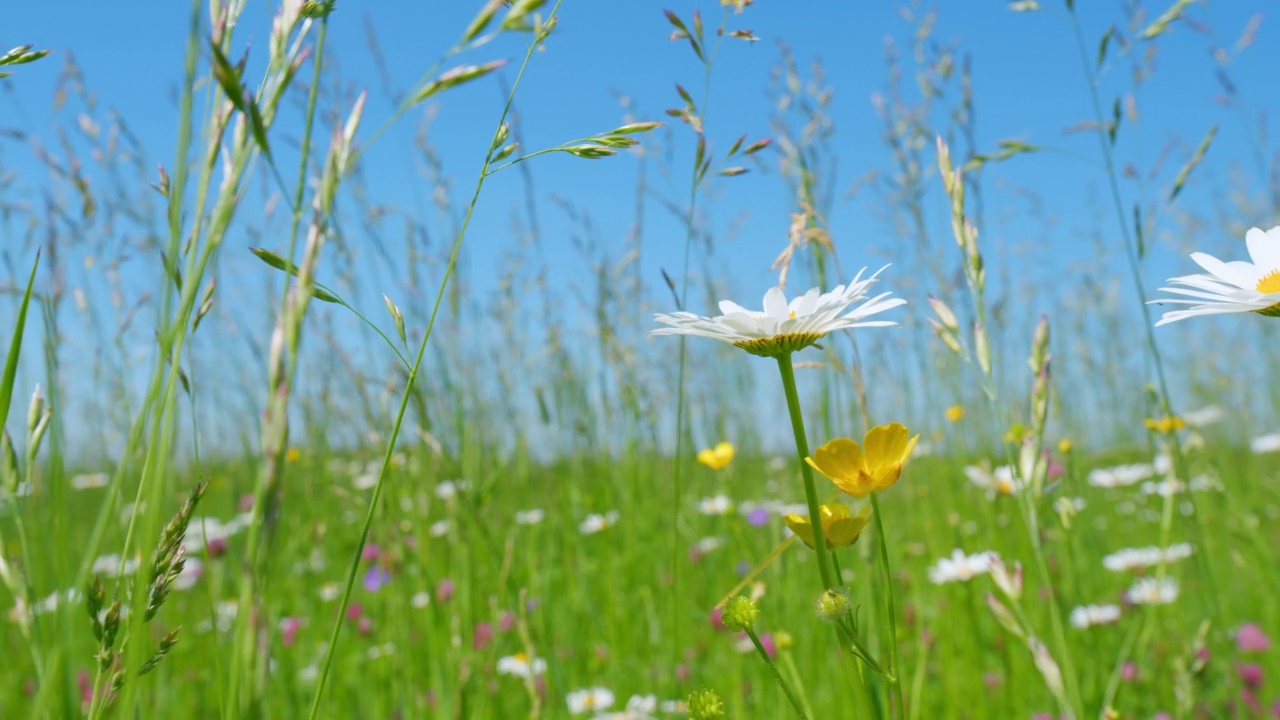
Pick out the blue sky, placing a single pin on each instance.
(1028, 86)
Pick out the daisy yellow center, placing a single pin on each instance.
(792, 316)
(779, 344)
(1269, 283)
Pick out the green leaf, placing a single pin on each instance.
(1102, 46)
(227, 76)
(1115, 122)
(318, 291)
(15, 344)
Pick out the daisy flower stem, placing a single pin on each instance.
(895, 686)
(791, 696)
(802, 449)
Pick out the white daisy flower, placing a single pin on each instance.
(1230, 287)
(521, 665)
(1150, 591)
(1001, 481)
(1206, 415)
(588, 699)
(112, 565)
(449, 489)
(1265, 444)
(88, 481)
(594, 522)
(960, 567)
(718, 505)
(784, 327)
(1086, 616)
(1121, 475)
(532, 516)
(1136, 558)
(709, 544)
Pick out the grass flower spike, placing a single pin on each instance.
(783, 328)
(840, 528)
(859, 470)
(718, 457)
(1231, 287)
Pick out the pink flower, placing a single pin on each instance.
(364, 626)
(370, 552)
(507, 621)
(355, 611)
(482, 636)
(289, 628)
(217, 547)
(1251, 638)
(1129, 671)
(444, 590)
(1250, 674)
(717, 619)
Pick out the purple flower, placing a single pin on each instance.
(758, 517)
(375, 578)
(1251, 638)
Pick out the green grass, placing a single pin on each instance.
(353, 586)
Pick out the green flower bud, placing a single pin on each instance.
(705, 705)
(740, 613)
(832, 605)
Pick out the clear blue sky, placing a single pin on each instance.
(1027, 83)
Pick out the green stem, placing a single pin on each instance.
(795, 701)
(802, 449)
(895, 685)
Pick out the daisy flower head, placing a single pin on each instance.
(1152, 591)
(960, 567)
(1086, 616)
(784, 327)
(1230, 287)
(521, 665)
(588, 699)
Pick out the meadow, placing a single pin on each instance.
(275, 447)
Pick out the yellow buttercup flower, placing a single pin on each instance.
(840, 528)
(859, 470)
(1064, 446)
(292, 454)
(718, 457)
(955, 413)
(1165, 425)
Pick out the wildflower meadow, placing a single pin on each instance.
(543, 359)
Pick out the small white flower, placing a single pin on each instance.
(1150, 591)
(784, 327)
(328, 592)
(1206, 415)
(421, 600)
(380, 651)
(1121, 475)
(960, 567)
(532, 516)
(1265, 444)
(588, 699)
(718, 505)
(1001, 481)
(192, 569)
(1086, 616)
(1136, 558)
(112, 565)
(439, 529)
(594, 523)
(1230, 287)
(709, 544)
(309, 674)
(521, 666)
(449, 489)
(88, 481)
